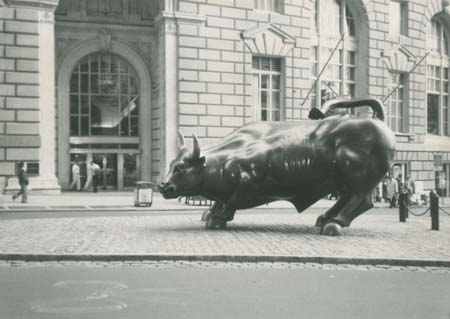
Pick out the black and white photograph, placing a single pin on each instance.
(226, 159)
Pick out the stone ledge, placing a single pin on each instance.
(18, 141)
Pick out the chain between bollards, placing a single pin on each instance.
(434, 210)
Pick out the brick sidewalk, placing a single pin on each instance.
(282, 234)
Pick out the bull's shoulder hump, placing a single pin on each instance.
(260, 135)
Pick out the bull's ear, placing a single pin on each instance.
(200, 163)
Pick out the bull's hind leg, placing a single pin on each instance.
(333, 211)
(353, 207)
(345, 217)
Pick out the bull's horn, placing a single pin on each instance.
(196, 150)
(180, 139)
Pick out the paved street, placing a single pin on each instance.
(267, 233)
(184, 291)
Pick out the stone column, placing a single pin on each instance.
(167, 58)
(35, 27)
(168, 24)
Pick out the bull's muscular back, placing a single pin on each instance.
(284, 160)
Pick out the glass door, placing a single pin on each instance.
(108, 166)
(130, 169)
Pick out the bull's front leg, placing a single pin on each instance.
(217, 216)
(222, 212)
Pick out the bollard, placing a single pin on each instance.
(403, 209)
(434, 210)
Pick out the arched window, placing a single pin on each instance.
(437, 79)
(104, 97)
(333, 20)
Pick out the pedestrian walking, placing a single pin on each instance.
(75, 177)
(410, 188)
(391, 191)
(23, 182)
(92, 176)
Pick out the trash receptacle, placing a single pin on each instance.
(143, 194)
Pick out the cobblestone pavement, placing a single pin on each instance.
(221, 265)
(283, 234)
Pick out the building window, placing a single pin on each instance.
(269, 5)
(437, 100)
(333, 20)
(104, 97)
(437, 38)
(398, 18)
(396, 102)
(437, 80)
(267, 88)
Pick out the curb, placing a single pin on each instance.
(229, 258)
(93, 208)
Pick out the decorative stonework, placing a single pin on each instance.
(446, 6)
(145, 50)
(434, 7)
(104, 37)
(63, 46)
(46, 17)
(268, 40)
(399, 59)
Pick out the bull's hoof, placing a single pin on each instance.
(321, 221)
(206, 215)
(331, 229)
(215, 223)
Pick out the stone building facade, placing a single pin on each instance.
(113, 80)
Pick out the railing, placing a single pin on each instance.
(434, 209)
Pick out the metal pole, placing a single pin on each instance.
(323, 68)
(412, 70)
(402, 207)
(434, 210)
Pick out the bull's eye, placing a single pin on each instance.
(177, 168)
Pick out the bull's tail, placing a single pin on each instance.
(374, 104)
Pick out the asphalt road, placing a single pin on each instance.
(182, 292)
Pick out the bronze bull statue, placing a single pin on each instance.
(300, 162)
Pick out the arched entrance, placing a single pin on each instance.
(104, 115)
(104, 118)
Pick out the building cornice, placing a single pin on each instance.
(179, 17)
(33, 4)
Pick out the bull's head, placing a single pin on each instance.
(185, 174)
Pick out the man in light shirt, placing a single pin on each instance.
(75, 177)
(93, 170)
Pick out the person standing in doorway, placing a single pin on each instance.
(96, 175)
(75, 177)
(23, 182)
(410, 187)
(391, 191)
